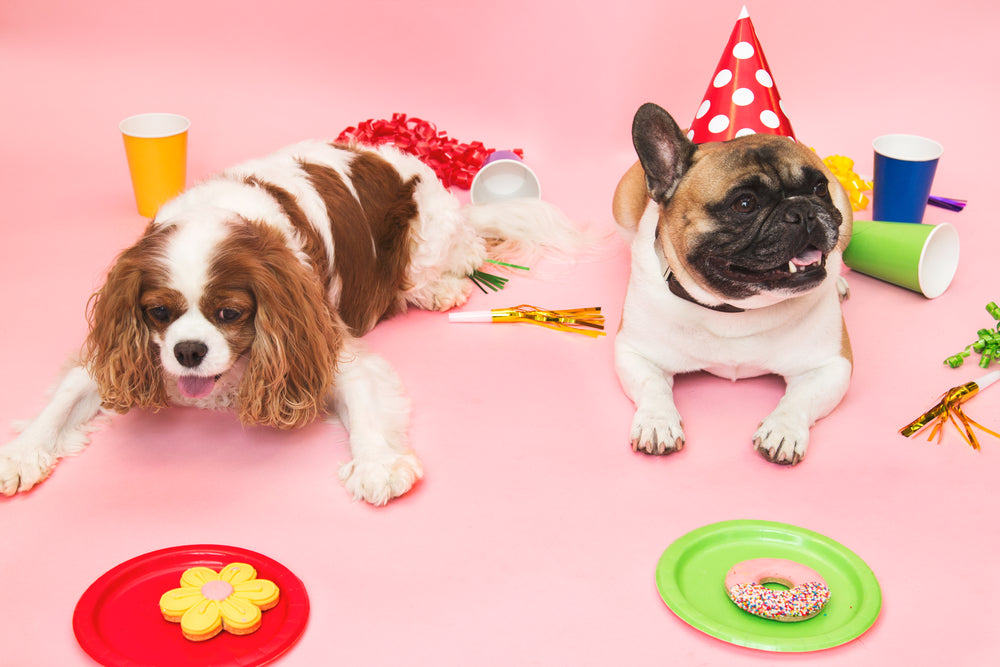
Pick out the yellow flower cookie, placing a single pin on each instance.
(208, 602)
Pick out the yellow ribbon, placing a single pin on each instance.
(586, 321)
(843, 168)
(949, 408)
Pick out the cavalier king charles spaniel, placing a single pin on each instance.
(248, 292)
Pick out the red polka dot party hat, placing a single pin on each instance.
(742, 97)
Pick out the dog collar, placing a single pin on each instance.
(679, 290)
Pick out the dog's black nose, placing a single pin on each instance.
(190, 352)
(801, 216)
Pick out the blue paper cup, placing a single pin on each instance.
(904, 170)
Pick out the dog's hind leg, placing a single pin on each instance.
(368, 398)
(444, 250)
(60, 429)
(445, 284)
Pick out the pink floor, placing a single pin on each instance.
(535, 535)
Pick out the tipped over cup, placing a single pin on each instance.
(504, 176)
(156, 149)
(922, 258)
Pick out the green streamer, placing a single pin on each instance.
(509, 266)
(484, 280)
(987, 345)
(496, 283)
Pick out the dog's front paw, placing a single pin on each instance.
(781, 439)
(379, 479)
(19, 470)
(659, 433)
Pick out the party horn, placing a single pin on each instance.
(919, 257)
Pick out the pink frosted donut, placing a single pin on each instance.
(807, 591)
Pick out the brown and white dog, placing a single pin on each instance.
(248, 292)
(736, 257)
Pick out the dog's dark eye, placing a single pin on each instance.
(745, 204)
(821, 189)
(229, 315)
(159, 313)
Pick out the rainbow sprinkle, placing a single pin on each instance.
(800, 602)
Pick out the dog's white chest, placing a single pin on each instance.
(737, 372)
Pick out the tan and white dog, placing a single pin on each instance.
(736, 257)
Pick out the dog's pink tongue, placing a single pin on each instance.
(193, 386)
(810, 256)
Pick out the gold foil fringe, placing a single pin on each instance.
(949, 408)
(586, 321)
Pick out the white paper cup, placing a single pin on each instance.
(504, 176)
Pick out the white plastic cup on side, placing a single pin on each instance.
(504, 176)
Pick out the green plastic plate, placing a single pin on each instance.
(691, 574)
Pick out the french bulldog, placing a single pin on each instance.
(736, 257)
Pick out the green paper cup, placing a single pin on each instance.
(919, 257)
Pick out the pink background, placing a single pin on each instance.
(534, 537)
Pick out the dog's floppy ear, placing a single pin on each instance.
(297, 338)
(119, 352)
(663, 149)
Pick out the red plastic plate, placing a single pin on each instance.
(118, 623)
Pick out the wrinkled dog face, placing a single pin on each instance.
(749, 216)
(767, 227)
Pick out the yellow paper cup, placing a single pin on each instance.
(156, 148)
(919, 257)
